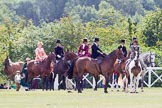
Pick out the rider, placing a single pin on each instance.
(83, 49)
(134, 47)
(122, 47)
(133, 39)
(96, 51)
(59, 51)
(40, 53)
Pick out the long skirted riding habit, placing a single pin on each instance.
(40, 54)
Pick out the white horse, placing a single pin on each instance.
(134, 69)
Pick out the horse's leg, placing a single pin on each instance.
(46, 81)
(131, 82)
(76, 82)
(126, 84)
(112, 82)
(96, 80)
(63, 82)
(137, 82)
(43, 83)
(116, 82)
(59, 81)
(79, 84)
(142, 81)
(106, 84)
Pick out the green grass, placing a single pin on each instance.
(151, 98)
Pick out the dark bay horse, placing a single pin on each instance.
(10, 68)
(61, 68)
(89, 65)
(43, 69)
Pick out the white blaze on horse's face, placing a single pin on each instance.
(152, 59)
(136, 55)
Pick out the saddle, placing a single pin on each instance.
(97, 62)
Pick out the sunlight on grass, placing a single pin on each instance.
(88, 99)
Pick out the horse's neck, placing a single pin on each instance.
(111, 60)
(48, 62)
(74, 56)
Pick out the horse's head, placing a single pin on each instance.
(69, 56)
(7, 61)
(120, 54)
(136, 56)
(152, 59)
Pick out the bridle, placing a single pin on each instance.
(151, 58)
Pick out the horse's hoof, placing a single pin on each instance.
(105, 91)
(132, 92)
(142, 90)
(95, 89)
(136, 92)
(69, 91)
(112, 90)
(126, 91)
(79, 91)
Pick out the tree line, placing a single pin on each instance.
(21, 26)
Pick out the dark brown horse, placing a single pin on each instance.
(10, 68)
(61, 68)
(89, 65)
(43, 69)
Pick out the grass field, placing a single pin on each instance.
(151, 98)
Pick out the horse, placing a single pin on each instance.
(134, 70)
(89, 65)
(148, 58)
(61, 68)
(10, 68)
(43, 69)
(119, 67)
(70, 58)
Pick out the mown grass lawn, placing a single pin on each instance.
(151, 98)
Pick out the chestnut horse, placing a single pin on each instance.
(89, 65)
(10, 68)
(120, 69)
(43, 69)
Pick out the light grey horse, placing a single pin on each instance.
(147, 59)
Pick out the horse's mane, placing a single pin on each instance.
(111, 54)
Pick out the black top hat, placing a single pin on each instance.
(85, 40)
(96, 39)
(122, 41)
(134, 38)
(58, 41)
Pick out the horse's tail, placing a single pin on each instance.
(70, 71)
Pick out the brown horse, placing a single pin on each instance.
(61, 68)
(43, 69)
(10, 68)
(120, 67)
(89, 65)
